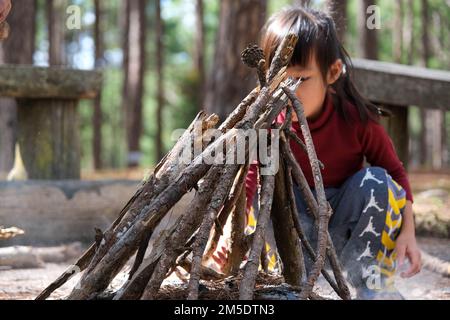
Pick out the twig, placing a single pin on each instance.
(300, 232)
(229, 205)
(308, 196)
(324, 213)
(297, 139)
(238, 245)
(199, 245)
(251, 268)
(283, 55)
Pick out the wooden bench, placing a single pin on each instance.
(48, 126)
(396, 87)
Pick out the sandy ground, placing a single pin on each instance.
(27, 283)
(432, 208)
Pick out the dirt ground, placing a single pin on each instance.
(431, 206)
(27, 283)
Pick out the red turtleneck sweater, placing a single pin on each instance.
(341, 147)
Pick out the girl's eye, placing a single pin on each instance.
(303, 78)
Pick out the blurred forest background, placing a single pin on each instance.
(164, 60)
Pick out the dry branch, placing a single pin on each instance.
(219, 192)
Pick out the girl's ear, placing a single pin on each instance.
(334, 72)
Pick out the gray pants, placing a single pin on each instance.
(366, 220)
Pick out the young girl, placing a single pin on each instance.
(372, 217)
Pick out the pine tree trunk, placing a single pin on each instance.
(408, 39)
(97, 118)
(368, 38)
(303, 3)
(338, 10)
(134, 70)
(200, 49)
(55, 18)
(424, 149)
(160, 81)
(398, 31)
(240, 24)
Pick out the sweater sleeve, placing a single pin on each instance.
(380, 151)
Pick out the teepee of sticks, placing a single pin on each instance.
(219, 192)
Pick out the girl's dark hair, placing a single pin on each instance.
(317, 35)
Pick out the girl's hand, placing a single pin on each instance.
(406, 246)
(5, 7)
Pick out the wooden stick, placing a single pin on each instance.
(239, 112)
(300, 232)
(264, 258)
(145, 191)
(205, 272)
(199, 245)
(173, 242)
(300, 179)
(189, 225)
(293, 211)
(167, 170)
(238, 245)
(288, 244)
(225, 212)
(324, 212)
(247, 285)
(122, 243)
(297, 139)
(283, 55)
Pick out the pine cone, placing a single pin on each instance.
(252, 55)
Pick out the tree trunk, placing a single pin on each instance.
(55, 18)
(160, 81)
(398, 31)
(408, 40)
(338, 10)
(124, 22)
(408, 47)
(425, 57)
(200, 49)
(445, 152)
(303, 3)
(432, 118)
(368, 38)
(436, 138)
(97, 118)
(240, 23)
(17, 49)
(134, 70)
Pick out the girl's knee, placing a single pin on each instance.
(368, 176)
(368, 179)
(377, 170)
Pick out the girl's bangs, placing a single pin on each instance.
(301, 25)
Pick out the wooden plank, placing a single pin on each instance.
(49, 139)
(397, 128)
(24, 81)
(402, 85)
